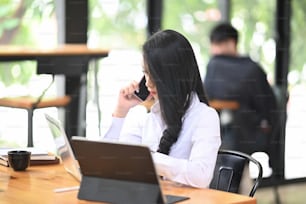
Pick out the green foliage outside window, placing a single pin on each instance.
(117, 24)
(194, 19)
(255, 21)
(297, 43)
(18, 21)
(122, 24)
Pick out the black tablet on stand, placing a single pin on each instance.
(118, 173)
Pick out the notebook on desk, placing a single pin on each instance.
(63, 147)
(118, 173)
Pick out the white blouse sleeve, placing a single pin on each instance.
(114, 130)
(127, 129)
(131, 131)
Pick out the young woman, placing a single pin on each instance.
(181, 130)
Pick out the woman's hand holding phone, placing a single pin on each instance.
(126, 100)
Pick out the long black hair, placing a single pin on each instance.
(174, 70)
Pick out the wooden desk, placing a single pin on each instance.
(224, 104)
(37, 184)
(12, 53)
(71, 60)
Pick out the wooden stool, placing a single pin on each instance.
(30, 104)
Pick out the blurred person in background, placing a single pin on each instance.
(230, 76)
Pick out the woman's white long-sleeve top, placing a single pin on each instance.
(192, 158)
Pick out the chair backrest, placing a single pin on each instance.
(229, 169)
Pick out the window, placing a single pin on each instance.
(29, 23)
(194, 19)
(119, 26)
(296, 111)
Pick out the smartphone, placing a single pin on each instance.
(143, 92)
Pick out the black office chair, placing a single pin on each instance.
(229, 169)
